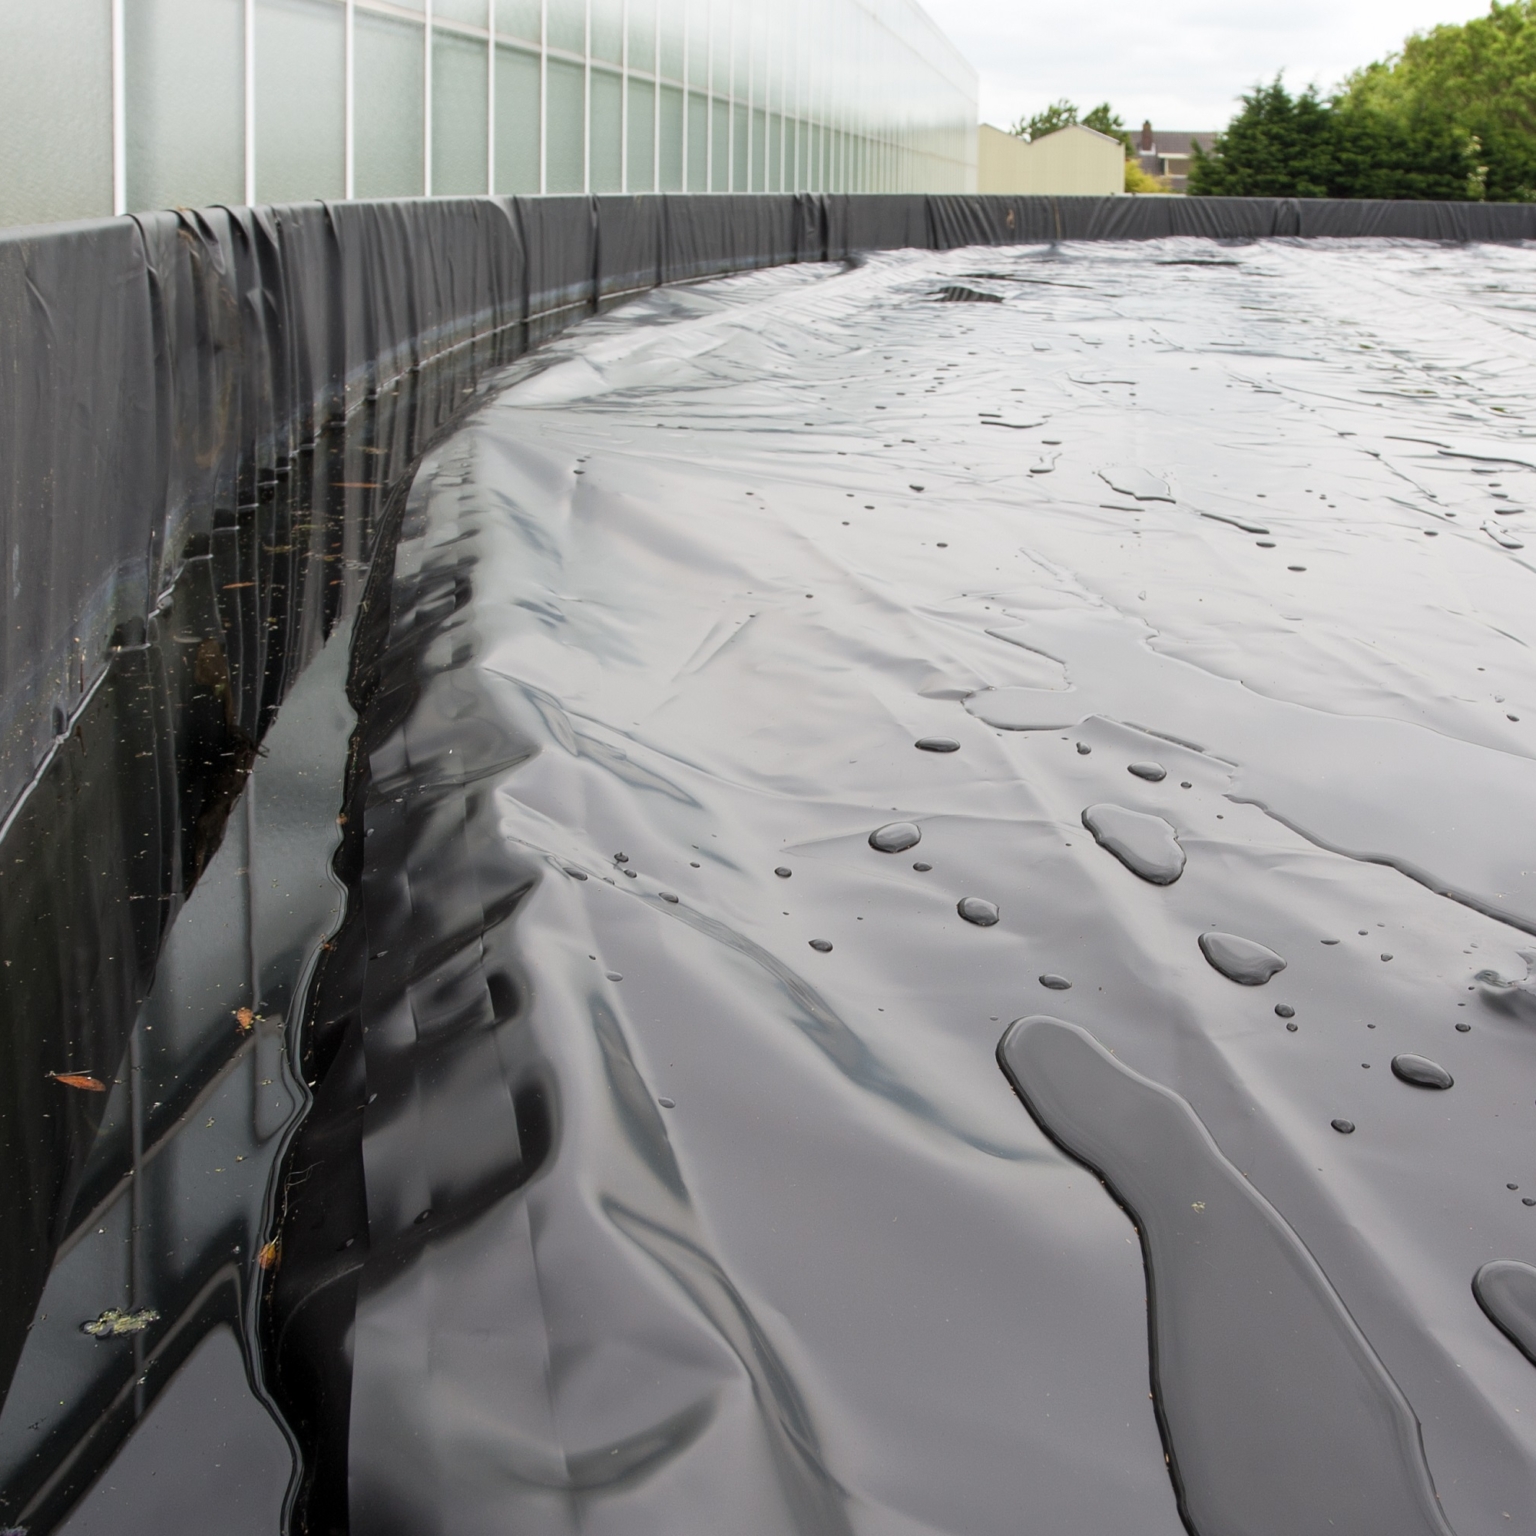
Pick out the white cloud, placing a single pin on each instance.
(1181, 63)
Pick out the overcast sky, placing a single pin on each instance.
(1180, 62)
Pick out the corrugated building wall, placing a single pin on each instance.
(131, 105)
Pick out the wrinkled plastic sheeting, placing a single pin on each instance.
(156, 366)
(694, 1192)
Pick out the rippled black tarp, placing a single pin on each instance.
(152, 365)
(694, 1192)
(268, 381)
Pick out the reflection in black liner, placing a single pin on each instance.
(167, 896)
(1277, 1416)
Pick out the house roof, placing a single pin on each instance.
(1179, 141)
(1078, 128)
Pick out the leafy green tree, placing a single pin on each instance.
(1060, 114)
(1104, 119)
(1063, 114)
(1479, 76)
(1279, 145)
(1422, 154)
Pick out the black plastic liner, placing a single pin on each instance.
(789, 683)
(270, 380)
(155, 367)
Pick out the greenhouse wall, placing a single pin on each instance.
(121, 106)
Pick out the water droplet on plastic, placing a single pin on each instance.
(1153, 773)
(669, 896)
(1386, 957)
(1055, 983)
(1344, 1127)
(621, 858)
(1083, 749)
(575, 874)
(1185, 784)
(974, 910)
(1285, 1011)
(615, 976)
(1241, 960)
(821, 946)
(1421, 1072)
(922, 868)
(936, 744)
(1293, 1026)
(1463, 1029)
(1506, 1291)
(897, 837)
(1144, 843)
(667, 1103)
(783, 873)
(1526, 1200)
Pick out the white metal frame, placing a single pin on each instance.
(250, 102)
(119, 113)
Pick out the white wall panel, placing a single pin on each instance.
(585, 95)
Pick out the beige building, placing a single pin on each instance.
(1073, 161)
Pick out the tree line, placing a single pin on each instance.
(1452, 116)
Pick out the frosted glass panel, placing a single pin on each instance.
(760, 151)
(567, 127)
(698, 41)
(698, 144)
(186, 116)
(471, 11)
(389, 107)
(459, 131)
(55, 94)
(671, 141)
(672, 41)
(519, 18)
(642, 136)
(300, 101)
(607, 132)
(642, 35)
(517, 122)
(739, 182)
(720, 151)
(720, 49)
(608, 30)
(568, 25)
(883, 102)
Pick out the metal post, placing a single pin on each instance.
(543, 97)
(586, 109)
(426, 116)
(119, 115)
(656, 104)
(624, 107)
(349, 181)
(490, 102)
(250, 103)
